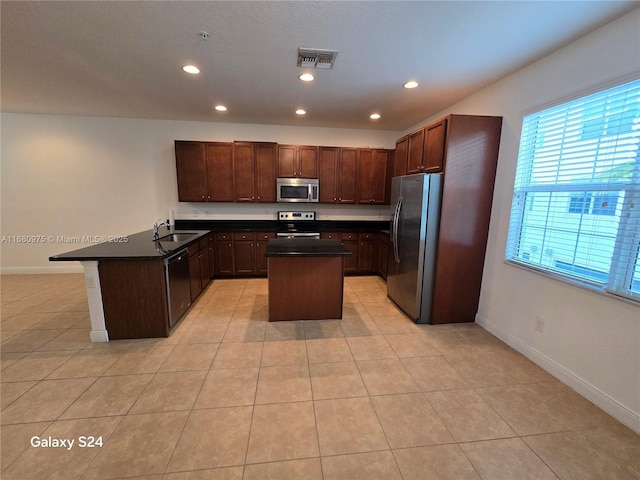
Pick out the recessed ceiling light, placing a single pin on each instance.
(300, 111)
(192, 69)
(221, 108)
(411, 84)
(374, 116)
(306, 77)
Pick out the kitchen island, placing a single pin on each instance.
(306, 279)
(137, 287)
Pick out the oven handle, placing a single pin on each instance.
(297, 234)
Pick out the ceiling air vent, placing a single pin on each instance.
(316, 58)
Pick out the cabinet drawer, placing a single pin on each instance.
(193, 249)
(330, 236)
(349, 236)
(223, 237)
(265, 236)
(204, 242)
(243, 236)
(367, 236)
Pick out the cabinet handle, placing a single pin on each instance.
(340, 199)
(258, 197)
(202, 196)
(209, 196)
(253, 198)
(334, 199)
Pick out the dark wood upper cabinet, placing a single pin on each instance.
(435, 137)
(297, 161)
(328, 174)
(348, 175)
(400, 157)
(244, 172)
(266, 160)
(219, 157)
(372, 176)
(254, 166)
(191, 170)
(415, 149)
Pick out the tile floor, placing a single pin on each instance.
(230, 396)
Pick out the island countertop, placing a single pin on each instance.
(305, 247)
(138, 246)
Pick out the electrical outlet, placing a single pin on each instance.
(539, 324)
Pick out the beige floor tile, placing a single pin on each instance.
(348, 425)
(8, 359)
(322, 329)
(484, 341)
(36, 365)
(283, 431)
(67, 320)
(361, 466)
(71, 339)
(382, 377)
(238, 355)
(64, 463)
(26, 321)
(185, 357)
(284, 383)
(370, 348)
(170, 391)
(284, 331)
(521, 369)
(212, 438)
(411, 345)
(467, 416)
(250, 313)
(619, 442)
(29, 340)
(11, 391)
(481, 370)
(140, 445)
(45, 401)
(323, 350)
(86, 363)
(433, 373)
(140, 360)
(409, 420)
(109, 396)
(15, 439)
(253, 298)
(204, 333)
(245, 332)
(572, 455)
(307, 469)
(506, 459)
(225, 473)
(442, 462)
(450, 342)
(228, 388)
(200, 447)
(359, 327)
(288, 352)
(336, 380)
(394, 323)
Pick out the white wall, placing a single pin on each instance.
(591, 341)
(75, 176)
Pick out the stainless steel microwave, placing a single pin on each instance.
(297, 189)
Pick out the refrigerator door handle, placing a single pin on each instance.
(396, 218)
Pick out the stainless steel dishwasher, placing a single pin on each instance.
(178, 285)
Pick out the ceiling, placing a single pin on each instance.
(124, 59)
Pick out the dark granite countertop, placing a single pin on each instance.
(138, 246)
(305, 247)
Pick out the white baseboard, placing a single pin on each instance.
(40, 270)
(620, 412)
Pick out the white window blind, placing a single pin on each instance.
(576, 200)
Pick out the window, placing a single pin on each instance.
(576, 201)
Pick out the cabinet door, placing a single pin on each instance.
(379, 169)
(244, 172)
(328, 174)
(415, 147)
(348, 175)
(287, 156)
(266, 171)
(212, 258)
(205, 276)
(244, 257)
(434, 146)
(365, 172)
(194, 275)
(383, 252)
(366, 253)
(191, 170)
(224, 254)
(307, 162)
(219, 171)
(351, 242)
(400, 157)
(261, 248)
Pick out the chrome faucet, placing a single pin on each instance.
(156, 227)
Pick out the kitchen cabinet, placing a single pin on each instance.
(415, 148)
(224, 254)
(434, 146)
(338, 171)
(328, 174)
(244, 253)
(383, 254)
(367, 257)
(297, 161)
(372, 176)
(261, 248)
(199, 267)
(191, 171)
(255, 172)
(400, 157)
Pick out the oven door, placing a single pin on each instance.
(297, 190)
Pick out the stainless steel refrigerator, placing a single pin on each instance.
(415, 212)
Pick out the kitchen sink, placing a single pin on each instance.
(177, 237)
